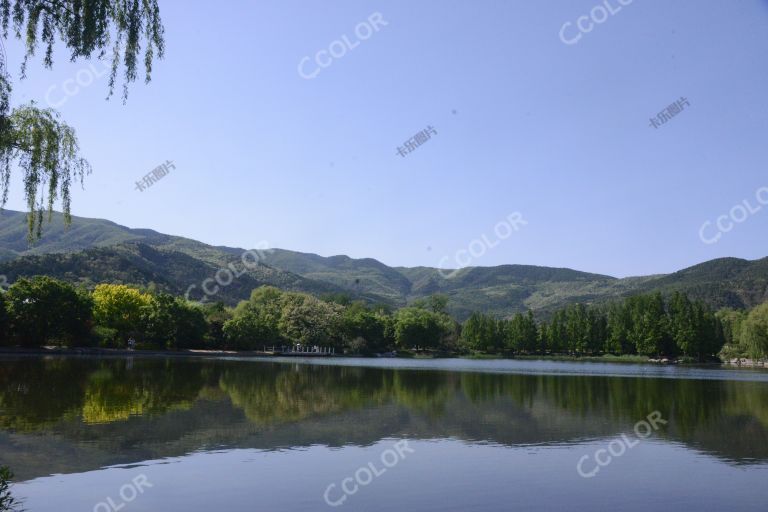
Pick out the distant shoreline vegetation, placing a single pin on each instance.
(45, 311)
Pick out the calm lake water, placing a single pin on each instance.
(155, 434)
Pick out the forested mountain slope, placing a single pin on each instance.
(96, 250)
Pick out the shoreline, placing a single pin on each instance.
(95, 351)
(202, 353)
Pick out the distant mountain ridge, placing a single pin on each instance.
(96, 250)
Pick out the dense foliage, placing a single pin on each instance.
(746, 332)
(272, 317)
(647, 325)
(43, 310)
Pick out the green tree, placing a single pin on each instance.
(157, 320)
(121, 308)
(649, 325)
(531, 332)
(255, 322)
(416, 327)
(483, 333)
(558, 336)
(173, 323)
(46, 150)
(249, 329)
(695, 329)
(544, 338)
(577, 328)
(619, 324)
(598, 330)
(521, 334)
(190, 326)
(248, 332)
(754, 332)
(216, 315)
(42, 310)
(732, 322)
(683, 325)
(268, 298)
(438, 304)
(710, 331)
(471, 337)
(309, 321)
(43, 147)
(364, 330)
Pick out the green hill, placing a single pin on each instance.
(724, 282)
(170, 271)
(366, 276)
(82, 234)
(96, 250)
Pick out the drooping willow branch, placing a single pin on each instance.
(47, 151)
(36, 140)
(89, 28)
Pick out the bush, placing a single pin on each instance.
(7, 502)
(106, 336)
(358, 346)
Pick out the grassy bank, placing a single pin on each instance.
(608, 358)
(401, 354)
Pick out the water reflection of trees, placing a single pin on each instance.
(728, 418)
(280, 394)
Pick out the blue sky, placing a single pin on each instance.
(525, 123)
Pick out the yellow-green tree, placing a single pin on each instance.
(119, 307)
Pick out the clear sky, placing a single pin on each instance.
(524, 123)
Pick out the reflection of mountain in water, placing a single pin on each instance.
(71, 415)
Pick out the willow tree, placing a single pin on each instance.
(35, 140)
(754, 332)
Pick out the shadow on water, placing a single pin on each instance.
(62, 415)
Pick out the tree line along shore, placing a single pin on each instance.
(45, 311)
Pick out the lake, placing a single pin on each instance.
(233, 434)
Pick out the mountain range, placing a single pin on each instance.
(92, 251)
